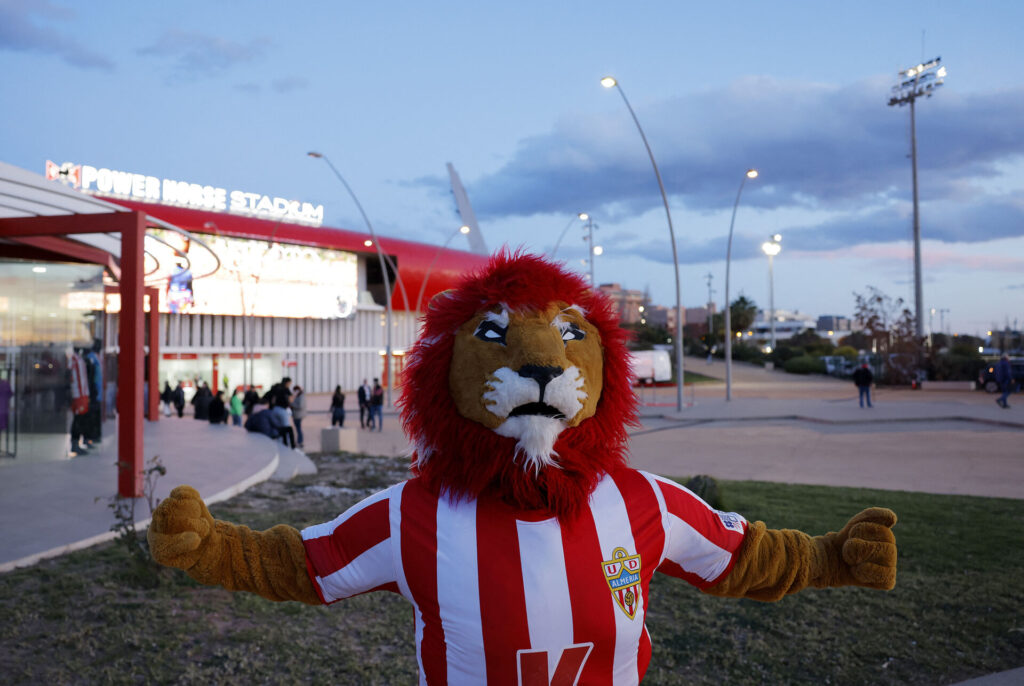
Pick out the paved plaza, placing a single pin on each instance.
(778, 427)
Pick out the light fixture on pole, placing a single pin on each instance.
(609, 82)
(915, 82)
(423, 287)
(751, 174)
(771, 248)
(383, 269)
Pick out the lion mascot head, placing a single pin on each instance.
(519, 387)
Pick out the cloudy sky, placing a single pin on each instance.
(234, 94)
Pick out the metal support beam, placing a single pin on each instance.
(130, 462)
(153, 358)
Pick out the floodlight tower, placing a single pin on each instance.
(915, 82)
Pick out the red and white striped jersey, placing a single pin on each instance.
(509, 597)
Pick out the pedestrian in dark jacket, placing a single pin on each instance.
(863, 378)
(166, 398)
(201, 401)
(262, 422)
(338, 408)
(217, 411)
(250, 401)
(363, 395)
(178, 398)
(377, 406)
(1004, 377)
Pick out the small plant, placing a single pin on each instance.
(145, 568)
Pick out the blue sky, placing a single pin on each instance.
(234, 94)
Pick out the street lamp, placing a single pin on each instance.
(383, 268)
(771, 248)
(916, 82)
(423, 287)
(583, 216)
(751, 174)
(609, 82)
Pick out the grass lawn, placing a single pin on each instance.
(87, 617)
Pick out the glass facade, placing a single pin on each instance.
(50, 344)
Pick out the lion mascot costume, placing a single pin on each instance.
(523, 540)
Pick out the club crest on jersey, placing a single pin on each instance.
(622, 573)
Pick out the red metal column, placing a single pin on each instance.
(132, 227)
(153, 369)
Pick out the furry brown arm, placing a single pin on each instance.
(270, 563)
(772, 563)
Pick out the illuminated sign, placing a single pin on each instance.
(120, 184)
(258, 278)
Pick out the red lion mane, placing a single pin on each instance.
(465, 459)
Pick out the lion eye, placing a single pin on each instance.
(490, 332)
(573, 333)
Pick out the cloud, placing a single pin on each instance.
(289, 84)
(193, 55)
(22, 30)
(817, 146)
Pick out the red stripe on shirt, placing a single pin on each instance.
(350, 539)
(419, 563)
(502, 597)
(593, 610)
(645, 521)
(701, 517)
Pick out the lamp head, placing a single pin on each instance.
(770, 248)
(609, 82)
(368, 243)
(583, 216)
(751, 173)
(317, 155)
(464, 229)
(777, 237)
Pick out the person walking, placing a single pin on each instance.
(178, 398)
(166, 398)
(338, 408)
(377, 406)
(298, 413)
(1004, 377)
(201, 401)
(365, 417)
(236, 408)
(862, 379)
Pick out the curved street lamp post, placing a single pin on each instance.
(384, 262)
(751, 174)
(771, 248)
(423, 287)
(609, 82)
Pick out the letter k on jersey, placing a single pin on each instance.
(533, 666)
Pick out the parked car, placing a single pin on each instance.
(987, 375)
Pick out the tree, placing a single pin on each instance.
(645, 336)
(890, 327)
(742, 313)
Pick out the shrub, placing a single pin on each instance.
(706, 488)
(847, 351)
(805, 364)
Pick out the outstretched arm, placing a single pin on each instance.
(772, 563)
(270, 563)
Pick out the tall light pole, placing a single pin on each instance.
(751, 174)
(609, 82)
(771, 248)
(915, 82)
(423, 287)
(383, 269)
(592, 250)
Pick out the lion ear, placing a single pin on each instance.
(438, 298)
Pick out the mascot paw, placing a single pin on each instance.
(869, 548)
(180, 528)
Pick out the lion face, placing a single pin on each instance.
(528, 374)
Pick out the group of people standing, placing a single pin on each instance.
(285, 408)
(371, 406)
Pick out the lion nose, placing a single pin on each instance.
(542, 375)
